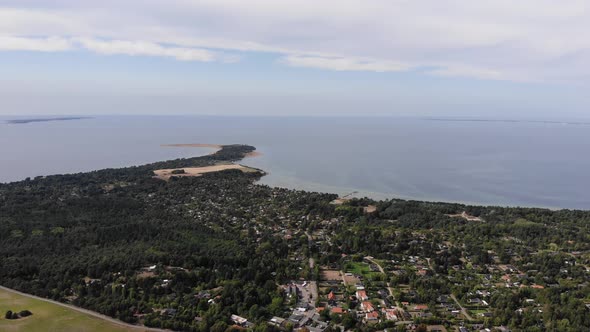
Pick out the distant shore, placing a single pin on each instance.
(67, 118)
(212, 146)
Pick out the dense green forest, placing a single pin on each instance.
(188, 253)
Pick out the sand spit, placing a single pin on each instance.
(253, 154)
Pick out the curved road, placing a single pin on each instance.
(463, 310)
(131, 327)
(370, 259)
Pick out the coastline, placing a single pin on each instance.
(293, 183)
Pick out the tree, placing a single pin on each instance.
(25, 313)
(219, 327)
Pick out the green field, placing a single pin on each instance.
(49, 317)
(362, 269)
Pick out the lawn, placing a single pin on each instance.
(49, 317)
(362, 269)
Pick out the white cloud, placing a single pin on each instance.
(466, 71)
(525, 40)
(135, 48)
(48, 44)
(342, 64)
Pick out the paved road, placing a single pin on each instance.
(463, 310)
(370, 259)
(88, 312)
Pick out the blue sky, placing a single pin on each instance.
(263, 57)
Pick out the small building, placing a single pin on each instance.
(337, 311)
(331, 296)
(241, 321)
(390, 314)
(372, 316)
(276, 321)
(421, 307)
(367, 306)
(361, 295)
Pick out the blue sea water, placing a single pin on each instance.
(516, 163)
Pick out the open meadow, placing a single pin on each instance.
(49, 317)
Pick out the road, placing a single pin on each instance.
(370, 259)
(88, 312)
(463, 310)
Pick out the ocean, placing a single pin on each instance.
(513, 163)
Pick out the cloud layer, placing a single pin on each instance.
(526, 40)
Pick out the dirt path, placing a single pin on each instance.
(370, 259)
(463, 310)
(88, 312)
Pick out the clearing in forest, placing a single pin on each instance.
(166, 174)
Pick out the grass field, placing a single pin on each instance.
(49, 317)
(362, 269)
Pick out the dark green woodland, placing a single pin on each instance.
(187, 253)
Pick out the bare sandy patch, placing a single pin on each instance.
(166, 174)
(340, 201)
(351, 279)
(370, 208)
(331, 275)
(465, 216)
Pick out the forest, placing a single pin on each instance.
(187, 253)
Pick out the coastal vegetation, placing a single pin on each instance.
(199, 253)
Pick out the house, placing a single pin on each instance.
(296, 319)
(241, 321)
(421, 307)
(475, 301)
(372, 316)
(367, 306)
(390, 314)
(276, 321)
(361, 295)
(337, 311)
(331, 295)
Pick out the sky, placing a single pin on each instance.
(501, 58)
